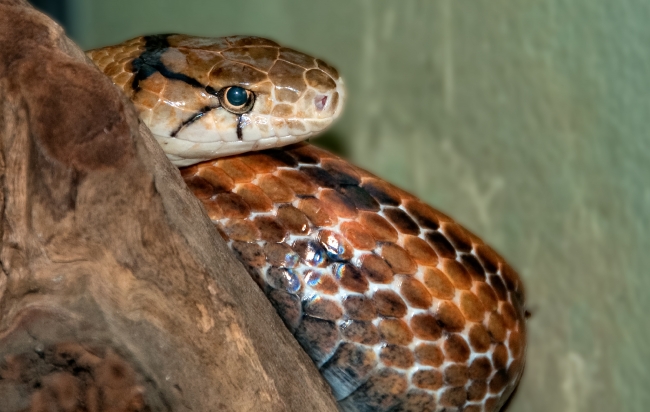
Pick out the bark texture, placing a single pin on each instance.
(116, 292)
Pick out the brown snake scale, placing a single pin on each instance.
(400, 308)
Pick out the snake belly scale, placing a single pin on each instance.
(399, 307)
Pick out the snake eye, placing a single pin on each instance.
(236, 99)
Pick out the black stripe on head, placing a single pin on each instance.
(192, 119)
(149, 62)
(240, 133)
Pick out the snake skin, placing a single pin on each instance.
(399, 307)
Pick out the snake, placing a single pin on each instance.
(399, 306)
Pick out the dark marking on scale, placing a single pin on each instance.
(192, 119)
(149, 62)
(212, 91)
(240, 133)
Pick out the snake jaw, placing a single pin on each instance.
(176, 82)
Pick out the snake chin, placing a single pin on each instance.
(186, 153)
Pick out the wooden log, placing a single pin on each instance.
(116, 292)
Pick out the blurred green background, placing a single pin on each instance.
(525, 120)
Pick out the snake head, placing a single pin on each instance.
(205, 98)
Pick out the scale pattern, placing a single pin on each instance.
(400, 307)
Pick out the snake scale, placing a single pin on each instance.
(399, 307)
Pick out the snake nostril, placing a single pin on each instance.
(320, 101)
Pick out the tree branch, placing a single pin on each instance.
(116, 292)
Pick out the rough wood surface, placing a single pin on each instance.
(116, 293)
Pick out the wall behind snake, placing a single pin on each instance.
(526, 121)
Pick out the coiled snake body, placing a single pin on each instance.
(400, 307)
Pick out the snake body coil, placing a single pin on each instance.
(400, 307)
